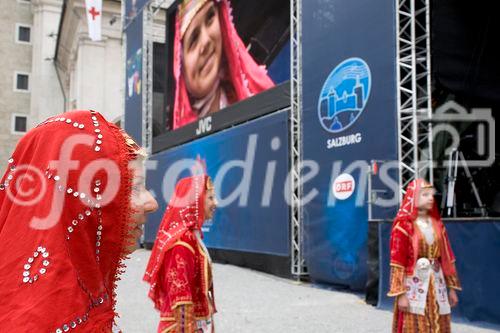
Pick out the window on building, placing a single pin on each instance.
(23, 33)
(19, 123)
(21, 82)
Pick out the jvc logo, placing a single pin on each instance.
(204, 126)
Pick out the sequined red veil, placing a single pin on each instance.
(58, 274)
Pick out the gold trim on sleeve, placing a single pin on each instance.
(402, 230)
(169, 329)
(186, 245)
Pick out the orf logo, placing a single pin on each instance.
(344, 95)
(343, 186)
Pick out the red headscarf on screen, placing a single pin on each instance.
(63, 234)
(243, 74)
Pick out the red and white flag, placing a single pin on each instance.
(94, 14)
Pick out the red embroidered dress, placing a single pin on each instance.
(179, 269)
(64, 226)
(408, 245)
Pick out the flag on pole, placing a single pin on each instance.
(94, 14)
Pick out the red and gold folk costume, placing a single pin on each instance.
(179, 270)
(421, 268)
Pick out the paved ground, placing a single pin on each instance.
(253, 302)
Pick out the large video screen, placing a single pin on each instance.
(226, 60)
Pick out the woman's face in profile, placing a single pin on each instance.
(202, 51)
(142, 203)
(210, 204)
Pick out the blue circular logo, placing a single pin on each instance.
(344, 95)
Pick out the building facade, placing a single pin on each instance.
(91, 73)
(50, 65)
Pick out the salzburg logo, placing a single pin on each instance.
(344, 95)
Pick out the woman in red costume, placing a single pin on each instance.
(423, 273)
(212, 67)
(179, 269)
(72, 203)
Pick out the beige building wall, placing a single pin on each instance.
(15, 57)
(46, 95)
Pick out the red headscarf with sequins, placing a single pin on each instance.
(243, 74)
(184, 213)
(64, 225)
(404, 240)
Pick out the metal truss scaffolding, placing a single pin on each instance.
(147, 78)
(414, 91)
(298, 268)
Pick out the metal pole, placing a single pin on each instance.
(298, 265)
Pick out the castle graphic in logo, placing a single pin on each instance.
(344, 95)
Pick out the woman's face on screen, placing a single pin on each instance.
(202, 51)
